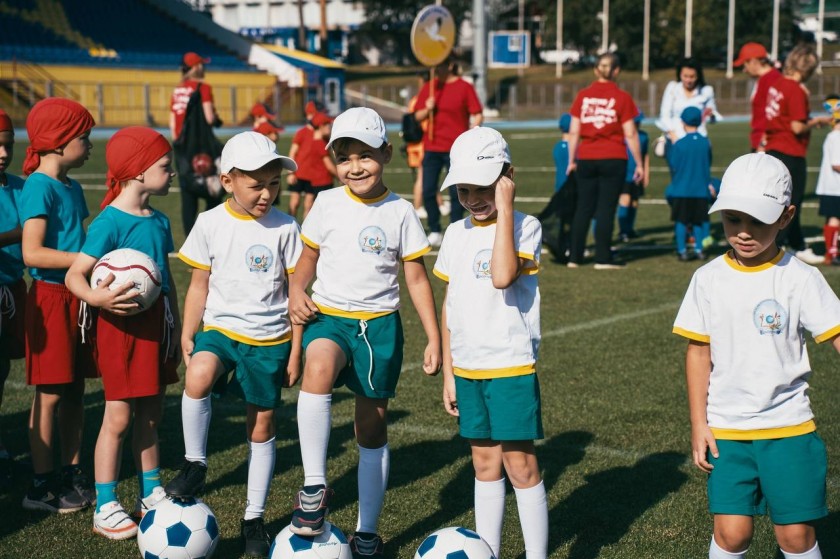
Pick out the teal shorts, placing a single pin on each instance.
(786, 476)
(257, 370)
(500, 409)
(382, 339)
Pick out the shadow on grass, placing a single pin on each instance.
(600, 512)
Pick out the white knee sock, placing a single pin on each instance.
(813, 553)
(314, 423)
(195, 417)
(715, 552)
(490, 511)
(260, 471)
(533, 516)
(374, 468)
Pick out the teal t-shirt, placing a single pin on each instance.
(63, 206)
(114, 228)
(11, 258)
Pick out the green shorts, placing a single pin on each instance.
(500, 409)
(786, 476)
(381, 339)
(257, 370)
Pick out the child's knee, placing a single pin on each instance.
(260, 424)
(522, 469)
(733, 533)
(796, 538)
(202, 373)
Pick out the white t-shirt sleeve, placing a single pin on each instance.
(820, 313)
(692, 320)
(414, 242)
(196, 250)
(311, 232)
(441, 268)
(834, 149)
(292, 247)
(530, 242)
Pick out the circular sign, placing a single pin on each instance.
(432, 35)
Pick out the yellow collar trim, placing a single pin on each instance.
(485, 223)
(236, 214)
(366, 200)
(729, 259)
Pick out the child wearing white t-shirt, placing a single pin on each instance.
(356, 239)
(745, 315)
(491, 334)
(828, 183)
(241, 254)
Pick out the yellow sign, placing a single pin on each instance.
(432, 35)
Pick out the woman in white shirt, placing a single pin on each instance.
(688, 90)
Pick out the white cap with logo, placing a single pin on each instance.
(359, 123)
(249, 151)
(477, 157)
(756, 184)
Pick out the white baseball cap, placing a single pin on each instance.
(477, 157)
(756, 184)
(249, 151)
(359, 123)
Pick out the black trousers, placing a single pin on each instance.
(599, 184)
(433, 163)
(798, 169)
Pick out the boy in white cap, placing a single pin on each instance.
(491, 333)
(745, 315)
(356, 238)
(241, 254)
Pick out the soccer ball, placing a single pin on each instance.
(454, 543)
(331, 544)
(129, 265)
(178, 530)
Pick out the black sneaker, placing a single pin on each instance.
(364, 544)
(255, 537)
(74, 479)
(189, 482)
(48, 497)
(310, 511)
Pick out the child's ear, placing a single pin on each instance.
(387, 152)
(509, 173)
(227, 182)
(787, 216)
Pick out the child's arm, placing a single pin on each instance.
(119, 301)
(631, 136)
(646, 179)
(505, 264)
(194, 304)
(574, 137)
(836, 343)
(698, 368)
(11, 237)
(291, 178)
(301, 307)
(35, 254)
(330, 165)
(420, 291)
(293, 370)
(450, 400)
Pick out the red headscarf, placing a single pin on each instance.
(5, 122)
(128, 153)
(52, 123)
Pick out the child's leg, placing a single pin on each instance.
(632, 210)
(204, 369)
(417, 189)
(830, 232)
(5, 458)
(294, 202)
(699, 237)
(71, 421)
(624, 227)
(798, 541)
(520, 462)
(489, 496)
(148, 412)
(371, 424)
(732, 536)
(680, 231)
(308, 200)
(108, 451)
(41, 417)
(261, 456)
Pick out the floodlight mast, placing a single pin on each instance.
(479, 60)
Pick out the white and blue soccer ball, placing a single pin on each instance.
(134, 267)
(331, 544)
(454, 543)
(178, 530)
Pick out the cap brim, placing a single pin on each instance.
(763, 210)
(482, 175)
(260, 161)
(373, 140)
(739, 62)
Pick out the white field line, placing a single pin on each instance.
(601, 322)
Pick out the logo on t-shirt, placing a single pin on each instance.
(372, 239)
(769, 317)
(598, 112)
(774, 102)
(258, 258)
(481, 264)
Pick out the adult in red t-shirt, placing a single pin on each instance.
(456, 108)
(192, 79)
(756, 62)
(788, 131)
(601, 131)
(316, 168)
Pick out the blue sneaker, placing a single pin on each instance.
(363, 544)
(310, 511)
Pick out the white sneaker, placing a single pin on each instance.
(421, 212)
(435, 239)
(445, 208)
(809, 257)
(113, 522)
(146, 504)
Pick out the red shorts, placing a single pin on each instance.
(55, 353)
(12, 320)
(132, 353)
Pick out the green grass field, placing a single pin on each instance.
(615, 456)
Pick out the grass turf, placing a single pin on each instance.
(615, 456)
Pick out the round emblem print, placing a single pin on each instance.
(258, 258)
(769, 317)
(372, 240)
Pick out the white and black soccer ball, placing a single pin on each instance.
(178, 530)
(331, 544)
(454, 543)
(130, 266)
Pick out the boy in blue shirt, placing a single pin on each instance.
(628, 202)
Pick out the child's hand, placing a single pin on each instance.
(187, 347)
(302, 309)
(571, 168)
(505, 192)
(431, 359)
(291, 179)
(450, 402)
(292, 375)
(638, 175)
(702, 440)
(119, 301)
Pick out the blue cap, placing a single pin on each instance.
(692, 116)
(565, 122)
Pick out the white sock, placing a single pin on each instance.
(374, 467)
(314, 423)
(533, 517)
(715, 552)
(195, 416)
(490, 511)
(813, 553)
(260, 470)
